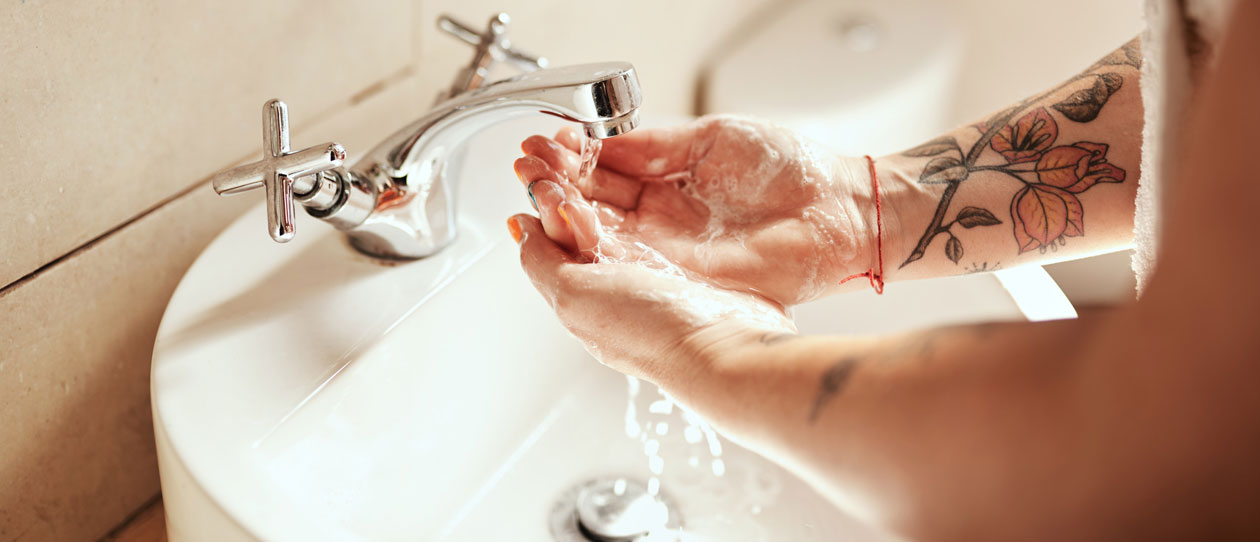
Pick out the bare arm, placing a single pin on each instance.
(924, 434)
(1134, 423)
(1052, 177)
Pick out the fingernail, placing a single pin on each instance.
(530, 190)
(564, 215)
(514, 228)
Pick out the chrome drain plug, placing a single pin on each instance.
(613, 510)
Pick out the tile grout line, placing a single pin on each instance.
(13, 286)
(355, 99)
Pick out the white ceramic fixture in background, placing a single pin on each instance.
(857, 76)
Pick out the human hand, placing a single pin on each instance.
(742, 204)
(643, 320)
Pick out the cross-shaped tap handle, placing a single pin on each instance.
(279, 170)
(492, 44)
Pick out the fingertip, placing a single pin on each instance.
(561, 159)
(526, 143)
(519, 167)
(532, 168)
(535, 144)
(514, 229)
(570, 138)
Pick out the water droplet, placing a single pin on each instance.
(663, 406)
(719, 467)
(656, 464)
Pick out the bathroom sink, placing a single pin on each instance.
(307, 392)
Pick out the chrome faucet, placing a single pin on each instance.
(398, 201)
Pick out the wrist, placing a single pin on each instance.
(869, 193)
(908, 205)
(716, 349)
(885, 224)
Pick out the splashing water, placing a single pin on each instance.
(656, 426)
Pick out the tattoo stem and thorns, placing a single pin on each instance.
(1046, 210)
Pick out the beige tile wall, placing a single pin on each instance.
(667, 40)
(112, 117)
(109, 108)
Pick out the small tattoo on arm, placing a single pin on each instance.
(982, 267)
(776, 338)
(833, 381)
(920, 347)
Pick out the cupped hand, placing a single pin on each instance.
(741, 204)
(645, 321)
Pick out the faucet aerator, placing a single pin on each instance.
(613, 127)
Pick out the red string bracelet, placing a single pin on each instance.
(876, 278)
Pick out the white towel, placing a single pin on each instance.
(1176, 46)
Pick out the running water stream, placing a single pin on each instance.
(656, 421)
(590, 156)
(664, 428)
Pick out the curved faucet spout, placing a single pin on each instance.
(401, 201)
(604, 98)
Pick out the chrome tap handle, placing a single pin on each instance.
(281, 172)
(492, 45)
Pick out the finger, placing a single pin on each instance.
(562, 160)
(610, 216)
(532, 168)
(570, 138)
(591, 240)
(604, 185)
(612, 187)
(585, 228)
(541, 258)
(547, 197)
(654, 153)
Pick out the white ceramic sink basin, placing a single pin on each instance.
(306, 392)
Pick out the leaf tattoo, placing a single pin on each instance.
(1085, 104)
(970, 217)
(934, 147)
(953, 249)
(1046, 209)
(945, 169)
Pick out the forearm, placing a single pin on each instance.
(1050, 178)
(927, 433)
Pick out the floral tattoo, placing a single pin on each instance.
(1045, 211)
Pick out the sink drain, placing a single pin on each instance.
(616, 509)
